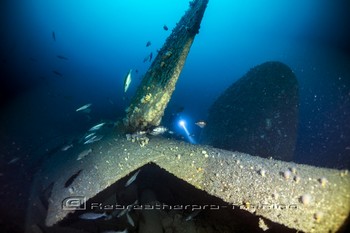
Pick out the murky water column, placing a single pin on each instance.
(152, 96)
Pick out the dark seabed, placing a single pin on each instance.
(59, 55)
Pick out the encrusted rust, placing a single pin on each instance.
(234, 177)
(152, 96)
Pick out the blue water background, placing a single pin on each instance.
(104, 39)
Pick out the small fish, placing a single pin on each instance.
(201, 124)
(192, 215)
(165, 27)
(128, 209)
(57, 73)
(97, 127)
(132, 179)
(130, 221)
(62, 57)
(158, 130)
(127, 80)
(89, 136)
(72, 178)
(148, 43)
(94, 139)
(123, 212)
(53, 36)
(14, 160)
(90, 140)
(84, 107)
(92, 216)
(66, 147)
(180, 110)
(84, 153)
(146, 59)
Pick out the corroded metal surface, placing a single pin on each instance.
(233, 177)
(152, 96)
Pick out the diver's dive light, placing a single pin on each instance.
(182, 124)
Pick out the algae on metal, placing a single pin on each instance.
(152, 96)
